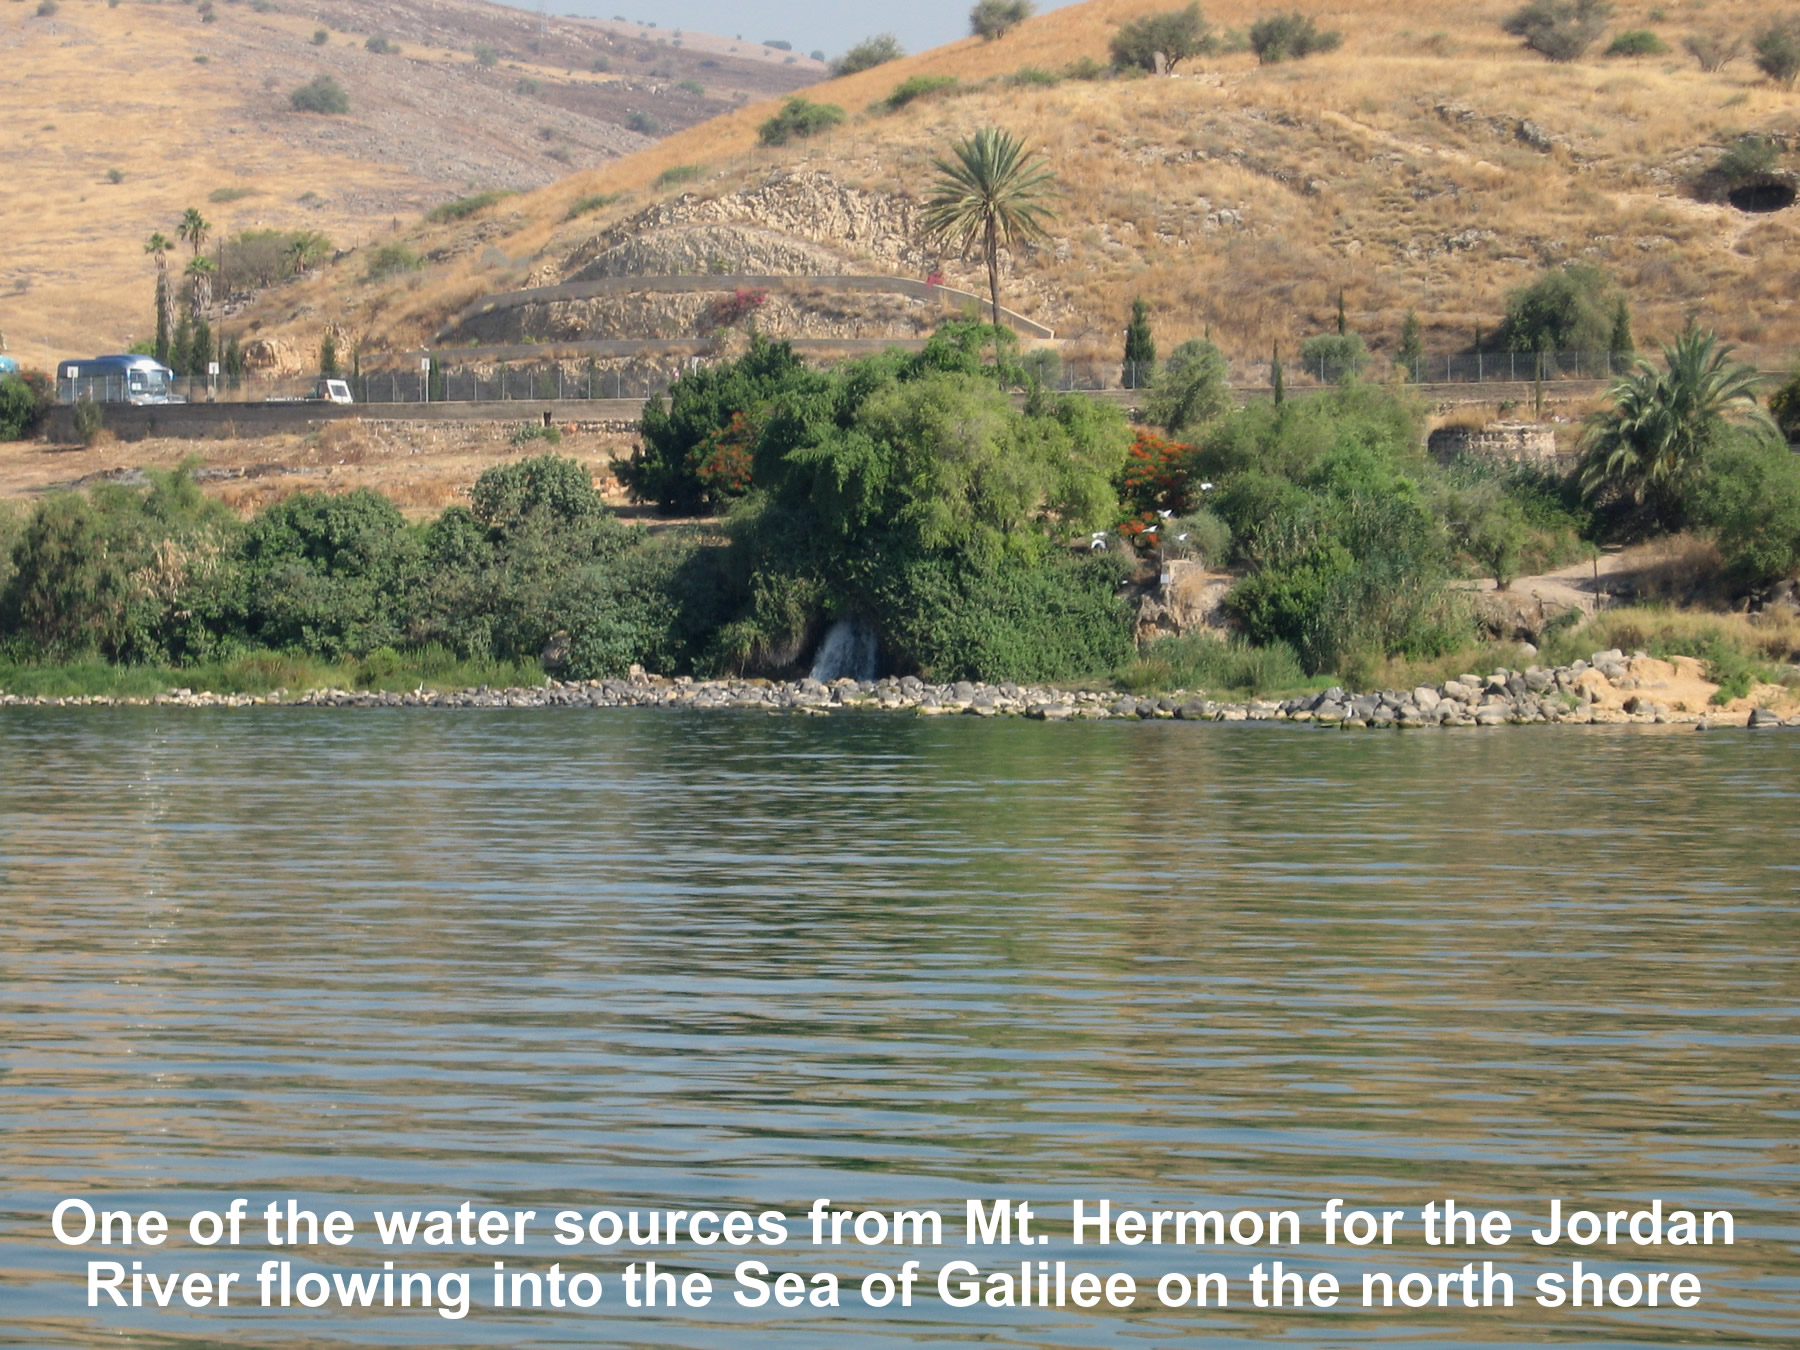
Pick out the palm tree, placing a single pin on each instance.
(194, 228)
(199, 273)
(1648, 445)
(991, 194)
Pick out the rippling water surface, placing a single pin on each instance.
(641, 960)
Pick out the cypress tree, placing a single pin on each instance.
(328, 354)
(200, 353)
(1412, 344)
(1621, 328)
(1140, 347)
(181, 347)
(1275, 377)
(162, 317)
(1343, 318)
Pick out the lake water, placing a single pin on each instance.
(663, 961)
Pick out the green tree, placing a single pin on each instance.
(200, 346)
(1647, 447)
(1140, 348)
(992, 193)
(328, 355)
(1176, 36)
(321, 94)
(1777, 51)
(1566, 309)
(869, 53)
(1191, 389)
(992, 19)
(1277, 382)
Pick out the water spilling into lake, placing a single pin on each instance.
(635, 960)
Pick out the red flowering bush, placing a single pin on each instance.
(728, 311)
(1158, 476)
(722, 460)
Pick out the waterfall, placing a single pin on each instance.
(848, 649)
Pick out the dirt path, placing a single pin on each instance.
(1581, 586)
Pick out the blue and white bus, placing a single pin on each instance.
(116, 379)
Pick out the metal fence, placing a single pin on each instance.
(549, 380)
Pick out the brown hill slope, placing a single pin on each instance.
(1429, 164)
(188, 112)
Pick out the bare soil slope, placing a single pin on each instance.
(1429, 164)
(185, 112)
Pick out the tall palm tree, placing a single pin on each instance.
(992, 194)
(1648, 445)
(195, 229)
(199, 273)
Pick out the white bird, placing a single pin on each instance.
(1206, 487)
(1165, 514)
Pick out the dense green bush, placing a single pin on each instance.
(1176, 36)
(321, 94)
(1290, 37)
(1784, 407)
(916, 87)
(1747, 157)
(1637, 42)
(798, 119)
(1221, 667)
(25, 397)
(1748, 498)
(1335, 356)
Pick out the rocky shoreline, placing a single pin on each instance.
(1609, 688)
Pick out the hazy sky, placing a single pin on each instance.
(825, 25)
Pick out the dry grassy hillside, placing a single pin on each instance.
(1240, 198)
(186, 112)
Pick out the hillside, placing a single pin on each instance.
(1424, 165)
(189, 106)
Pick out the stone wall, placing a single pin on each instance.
(1500, 442)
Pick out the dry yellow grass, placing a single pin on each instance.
(183, 109)
(1347, 174)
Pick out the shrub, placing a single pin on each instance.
(258, 258)
(1784, 407)
(320, 37)
(799, 118)
(1748, 157)
(1748, 499)
(90, 420)
(918, 87)
(464, 207)
(528, 432)
(24, 399)
(1559, 29)
(679, 173)
(599, 201)
(1158, 476)
(321, 94)
(1777, 51)
(1176, 36)
(1290, 37)
(642, 123)
(992, 19)
(1084, 68)
(693, 87)
(1335, 356)
(868, 54)
(1033, 77)
(1637, 42)
(1714, 51)
(391, 259)
(486, 56)
(381, 46)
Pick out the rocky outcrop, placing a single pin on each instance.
(769, 221)
(799, 314)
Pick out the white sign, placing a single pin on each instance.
(212, 367)
(425, 365)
